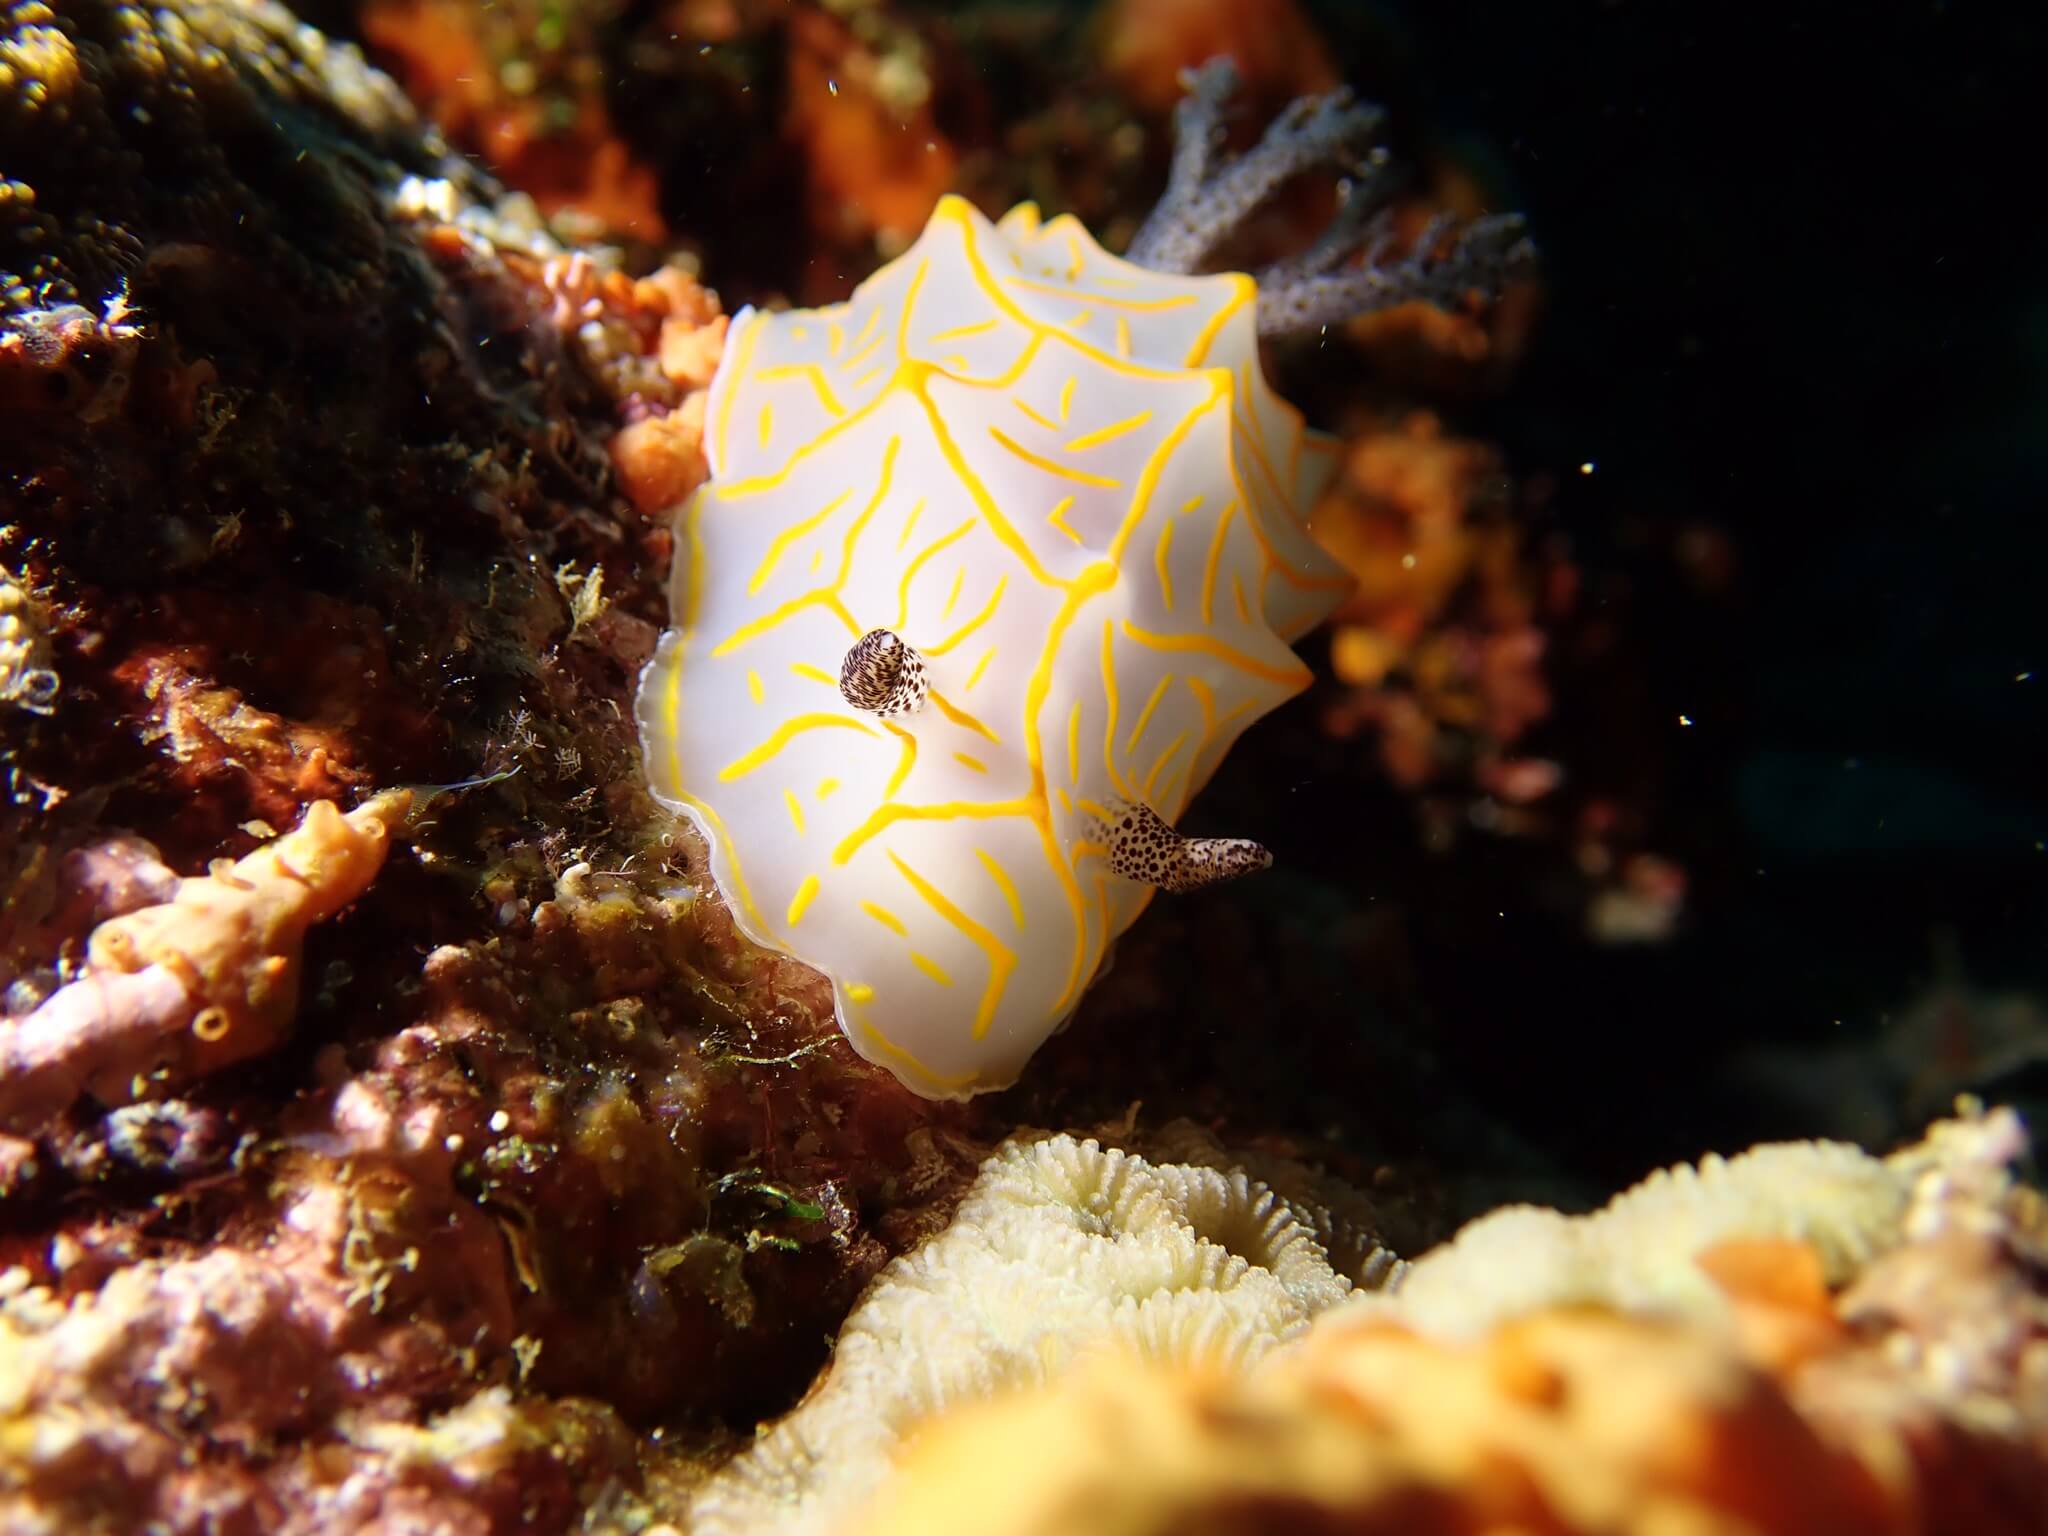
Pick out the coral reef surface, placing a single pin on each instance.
(1893, 1405)
(476, 1174)
(1061, 1251)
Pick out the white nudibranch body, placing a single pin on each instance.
(1062, 482)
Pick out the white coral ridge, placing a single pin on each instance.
(1639, 1253)
(1062, 481)
(1061, 1250)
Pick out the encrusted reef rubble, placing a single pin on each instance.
(395, 1133)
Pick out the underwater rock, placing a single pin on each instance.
(130, 145)
(281, 1356)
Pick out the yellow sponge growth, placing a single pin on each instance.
(184, 987)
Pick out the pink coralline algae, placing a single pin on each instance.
(253, 1346)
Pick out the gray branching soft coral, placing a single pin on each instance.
(1208, 196)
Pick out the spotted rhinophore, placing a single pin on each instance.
(883, 676)
(1142, 847)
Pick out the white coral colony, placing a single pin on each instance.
(999, 557)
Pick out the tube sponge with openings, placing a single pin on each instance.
(184, 987)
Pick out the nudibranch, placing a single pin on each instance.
(997, 560)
